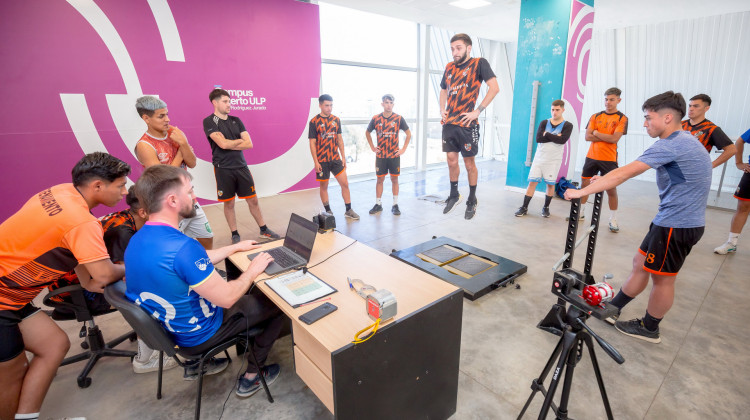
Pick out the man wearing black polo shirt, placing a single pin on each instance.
(708, 133)
(228, 138)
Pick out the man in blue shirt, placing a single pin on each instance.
(742, 194)
(172, 277)
(683, 175)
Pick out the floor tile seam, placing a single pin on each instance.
(685, 337)
(491, 391)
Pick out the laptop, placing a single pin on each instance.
(298, 245)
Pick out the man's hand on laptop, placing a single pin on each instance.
(243, 246)
(259, 263)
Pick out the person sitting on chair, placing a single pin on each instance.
(173, 278)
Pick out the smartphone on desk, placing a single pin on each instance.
(317, 313)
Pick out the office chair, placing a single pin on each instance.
(156, 337)
(93, 343)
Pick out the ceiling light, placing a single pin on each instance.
(469, 4)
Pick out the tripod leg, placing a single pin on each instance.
(595, 363)
(562, 410)
(538, 383)
(569, 341)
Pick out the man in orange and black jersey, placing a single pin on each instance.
(53, 233)
(327, 149)
(604, 130)
(708, 133)
(459, 91)
(388, 154)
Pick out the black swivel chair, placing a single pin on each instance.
(76, 308)
(151, 331)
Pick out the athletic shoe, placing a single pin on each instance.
(613, 227)
(236, 238)
(351, 214)
(395, 210)
(152, 364)
(580, 217)
(377, 208)
(612, 319)
(213, 366)
(450, 203)
(269, 234)
(522, 211)
(635, 328)
(471, 210)
(545, 212)
(247, 387)
(726, 248)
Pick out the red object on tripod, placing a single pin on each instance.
(597, 293)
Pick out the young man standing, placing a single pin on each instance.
(551, 136)
(459, 91)
(166, 144)
(53, 233)
(604, 130)
(327, 149)
(683, 175)
(228, 138)
(742, 194)
(708, 133)
(172, 277)
(388, 154)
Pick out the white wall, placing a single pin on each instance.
(705, 55)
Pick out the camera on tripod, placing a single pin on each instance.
(576, 288)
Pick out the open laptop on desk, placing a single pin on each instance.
(298, 245)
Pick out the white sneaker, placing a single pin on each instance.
(726, 248)
(613, 227)
(152, 364)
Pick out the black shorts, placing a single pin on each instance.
(461, 139)
(597, 167)
(11, 340)
(666, 248)
(743, 188)
(384, 166)
(334, 167)
(234, 181)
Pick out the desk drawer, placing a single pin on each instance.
(313, 349)
(318, 382)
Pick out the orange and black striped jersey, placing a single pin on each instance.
(606, 124)
(51, 234)
(708, 133)
(386, 129)
(165, 148)
(462, 82)
(325, 130)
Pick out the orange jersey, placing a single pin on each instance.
(708, 133)
(51, 234)
(325, 131)
(387, 132)
(166, 149)
(462, 83)
(606, 124)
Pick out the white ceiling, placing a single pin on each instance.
(499, 21)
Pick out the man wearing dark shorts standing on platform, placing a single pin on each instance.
(228, 138)
(388, 154)
(459, 91)
(708, 133)
(327, 149)
(604, 130)
(683, 175)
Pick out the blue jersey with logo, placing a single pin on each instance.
(162, 265)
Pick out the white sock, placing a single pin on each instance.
(144, 352)
(733, 237)
(27, 416)
(395, 200)
(612, 214)
(378, 201)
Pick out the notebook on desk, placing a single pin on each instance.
(297, 248)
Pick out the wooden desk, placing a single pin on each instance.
(409, 369)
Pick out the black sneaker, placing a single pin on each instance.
(545, 212)
(236, 238)
(247, 387)
(213, 366)
(471, 210)
(269, 234)
(635, 328)
(395, 210)
(522, 211)
(450, 203)
(377, 208)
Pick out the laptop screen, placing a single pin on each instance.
(300, 236)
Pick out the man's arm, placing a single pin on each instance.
(188, 156)
(406, 143)
(726, 153)
(146, 154)
(492, 90)
(222, 141)
(740, 146)
(218, 255)
(369, 140)
(609, 181)
(314, 152)
(246, 142)
(226, 293)
(443, 104)
(607, 138)
(97, 274)
(340, 142)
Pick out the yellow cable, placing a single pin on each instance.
(374, 327)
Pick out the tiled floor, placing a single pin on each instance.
(699, 371)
